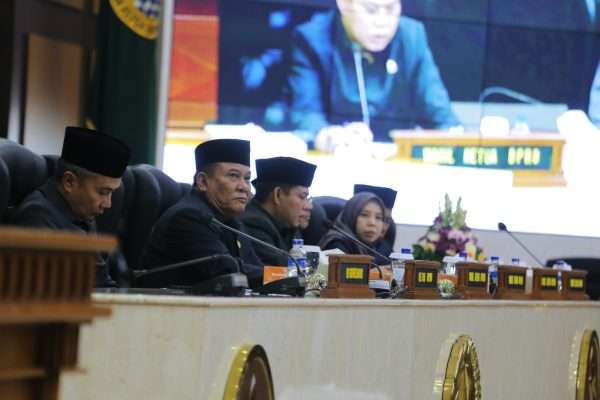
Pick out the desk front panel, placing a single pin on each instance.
(182, 348)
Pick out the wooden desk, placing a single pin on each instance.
(165, 347)
(534, 159)
(46, 280)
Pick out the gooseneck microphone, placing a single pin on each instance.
(511, 94)
(502, 227)
(220, 224)
(171, 267)
(360, 81)
(228, 284)
(292, 285)
(355, 240)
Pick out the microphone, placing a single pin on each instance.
(360, 81)
(231, 284)
(292, 285)
(170, 267)
(355, 240)
(502, 227)
(511, 94)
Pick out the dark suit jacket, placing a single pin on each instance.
(261, 224)
(324, 90)
(183, 233)
(46, 208)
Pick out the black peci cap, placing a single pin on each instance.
(386, 194)
(95, 151)
(223, 150)
(285, 170)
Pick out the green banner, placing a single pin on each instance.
(124, 94)
(512, 157)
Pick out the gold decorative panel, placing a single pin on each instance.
(250, 376)
(587, 367)
(462, 378)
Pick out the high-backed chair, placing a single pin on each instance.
(589, 264)
(154, 193)
(317, 226)
(332, 205)
(146, 192)
(21, 172)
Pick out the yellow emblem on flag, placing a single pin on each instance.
(141, 16)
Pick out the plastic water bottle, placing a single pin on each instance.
(297, 253)
(493, 274)
(561, 265)
(398, 264)
(449, 263)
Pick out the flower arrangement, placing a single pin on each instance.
(448, 236)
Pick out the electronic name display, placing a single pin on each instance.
(426, 278)
(477, 278)
(515, 281)
(499, 157)
(549, 282)
(577, 284)
(357, 274)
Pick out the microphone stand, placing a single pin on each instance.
(144, 272)
(358, 242)
(360, 80)
(511, 94)
(500, 90)
(370, 249)
(291, 285)
(502, 227)
(232, 284)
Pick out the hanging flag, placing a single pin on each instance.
(124, 95)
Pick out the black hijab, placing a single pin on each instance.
(346, 221)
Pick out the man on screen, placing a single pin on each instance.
(361, 70)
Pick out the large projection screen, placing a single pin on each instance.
(521, 146)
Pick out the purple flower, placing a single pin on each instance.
(457, 235)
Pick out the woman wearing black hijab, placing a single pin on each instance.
(362, 217)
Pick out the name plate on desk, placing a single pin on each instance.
(348, 277)
(511, 283)
(534, 159)
(577, 284)
(425, 278)
(421, 279)
(574, 285)
(354, 274)
(546, 284)
(472, 280)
